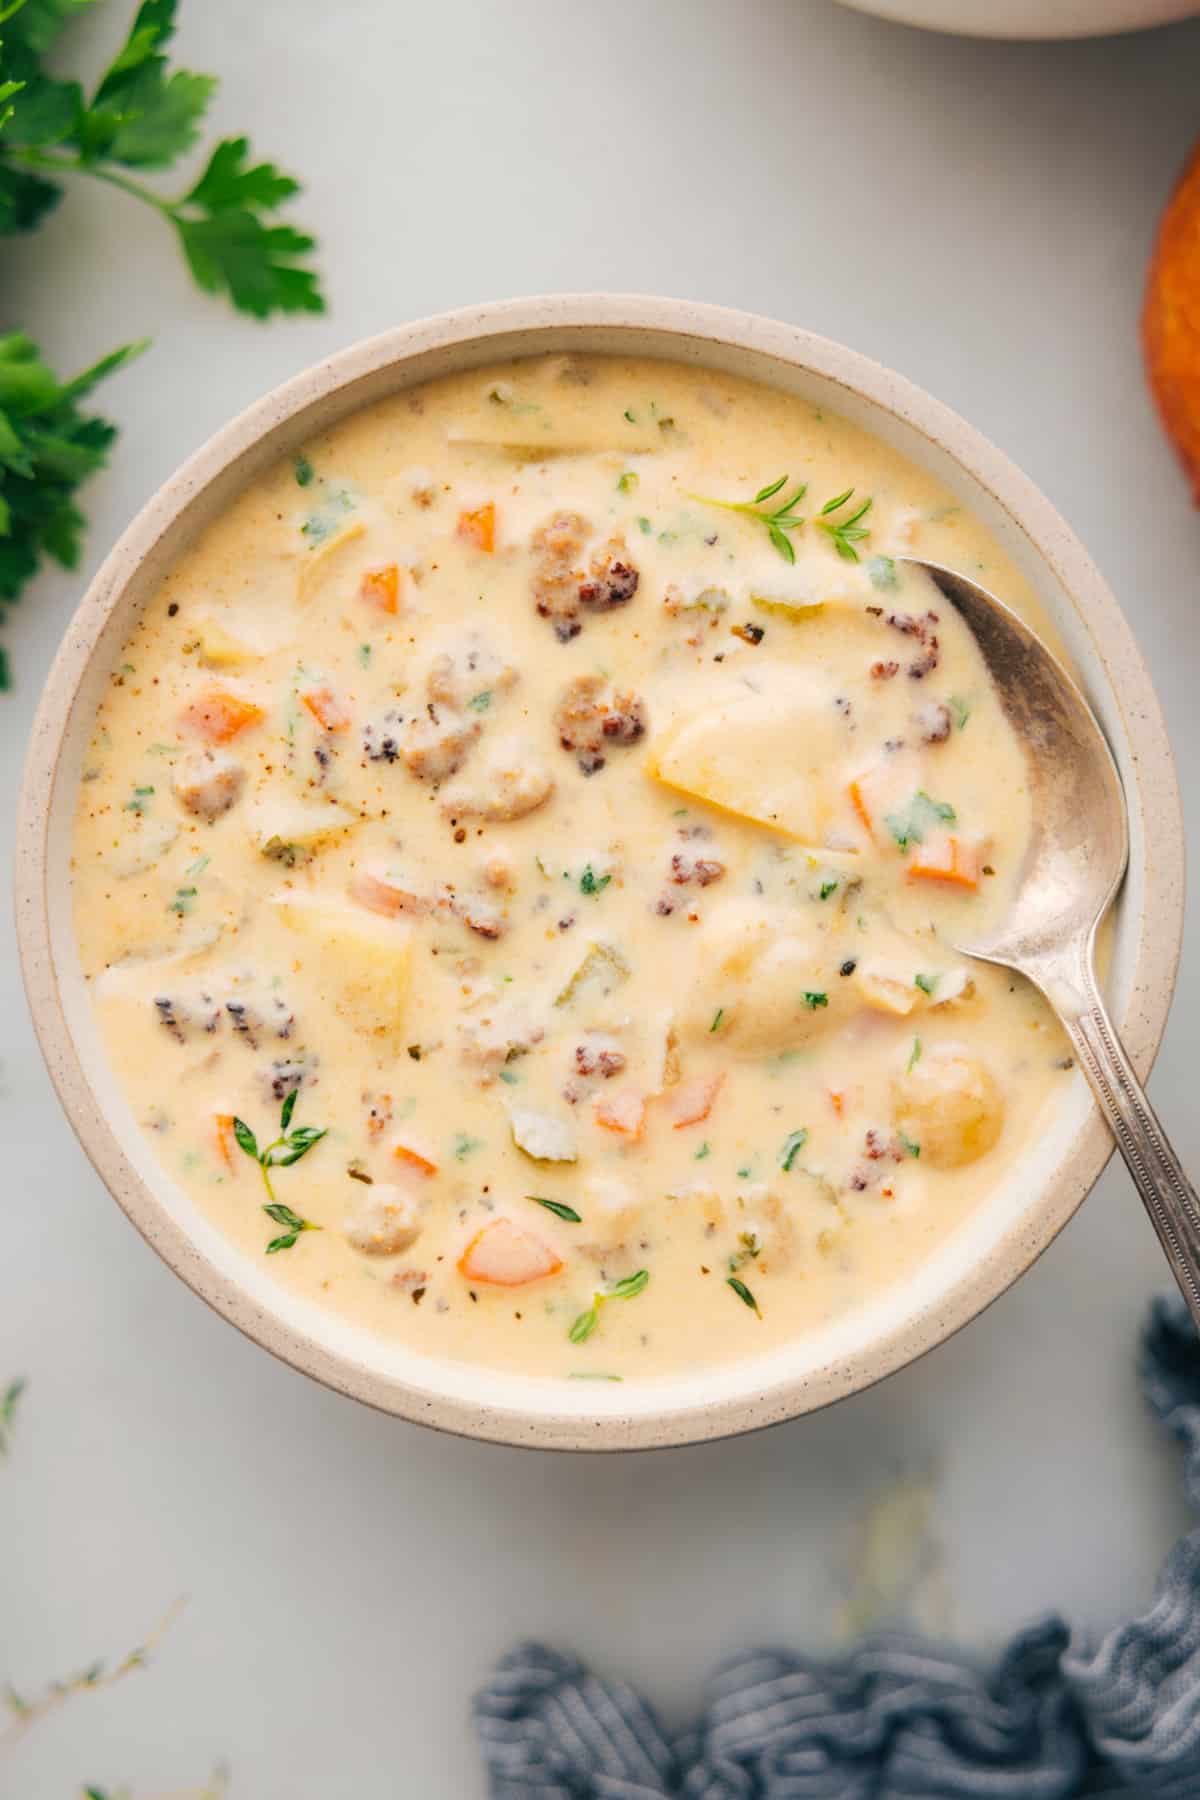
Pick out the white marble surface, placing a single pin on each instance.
(976, 215)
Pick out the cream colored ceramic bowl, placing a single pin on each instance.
(978, 1263)
(1030, 18)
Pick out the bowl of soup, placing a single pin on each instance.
(491, 856)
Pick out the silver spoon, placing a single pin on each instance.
(1074, 866)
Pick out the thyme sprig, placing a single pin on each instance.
(779, 520)
(281, 1153)
(628, 1289)
(848, 531)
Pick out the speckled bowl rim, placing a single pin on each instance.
(1157, 929)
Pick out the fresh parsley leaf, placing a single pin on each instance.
(923, 815)
(48, 447)
(813, 1000)
(558, 1207)
(302, 469)
(827, 888)
(793, 1144)
(591, 883)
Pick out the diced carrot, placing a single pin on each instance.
(380, 588)
(692, 1100)
(623, 1112)
(381, 895)
(507, 1255)
(945, 858)
(330, 712)
(859, 802)
(223, 1138)
(837, 1100)
(415, 1158)
(219, 715)
(479, 527)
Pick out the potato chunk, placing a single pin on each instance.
(763, 756)
(359, 963)
(950, 1106)
(761, 987)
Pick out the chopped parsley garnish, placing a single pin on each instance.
(915, 1058)
(302, 469)
(627, 482)
(779, 520)
(704, 1151)
(558, 1207)
(627, 1289)
(882, 572)
(481, 701)
(793, 1144)
(827, 888)
(631, 415)
(644, 526)
(923, 815)
(464, 1145)
(137, 804)
(590, 883)
(961, 710)
(285, 1150)
(812, 1000)
(717, 1017)
(364, 654)
(743, 1293)
(908, 1146)
(182, 902)
(848, 531)
(926, 983)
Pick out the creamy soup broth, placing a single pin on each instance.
(560, 869)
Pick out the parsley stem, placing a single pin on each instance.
(75, 165)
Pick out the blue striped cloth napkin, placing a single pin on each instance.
(899, 1717)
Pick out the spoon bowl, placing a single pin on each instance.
(1072, 872)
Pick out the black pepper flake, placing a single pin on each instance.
(172, 609)
(849, 966)
(749, 633)
(414, 1050)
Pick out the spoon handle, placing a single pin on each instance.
(1169, 1196)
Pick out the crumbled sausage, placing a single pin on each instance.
(934, 722)
(287, 1074)
(381, 737)
(511, 781)
(209, 783)
(436, 746)
(197, 1016)
(598, 1058)
(562, 588)
(702, 869)
(883, 671)
(270, 1017)
(612, 579)
(557, 554)
(593, 716)
(468, 673)
(922, 630)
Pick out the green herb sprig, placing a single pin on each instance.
(793, 1144)
(141, 116)
(743, 1293)
(285, 1150)
(779, 520)
(628, 1289)
(849, 530)
(592, 884)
